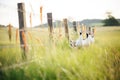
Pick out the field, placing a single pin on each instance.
(56, 60)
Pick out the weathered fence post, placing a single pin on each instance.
(22, 27)
(89, 30)
(60, 31)
(78, 27)
(74, 26)
(66, 29)
(10, 32)
(50, 24)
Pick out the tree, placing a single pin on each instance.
(111, 21)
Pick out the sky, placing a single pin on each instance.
(70, 9)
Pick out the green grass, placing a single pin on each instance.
(58, 61)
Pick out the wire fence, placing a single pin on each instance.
(38, 36)
(31, 29)
(31, 32)
(35, 36)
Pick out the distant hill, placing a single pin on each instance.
(92, 22)
(87, 22)
(5, 26)
(2, 26)
(55, 24)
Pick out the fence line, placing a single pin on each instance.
(22, 25)
(50, 24)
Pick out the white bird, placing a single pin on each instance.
(91, 39)
(82, 42)
(78, 42)
(86, 42)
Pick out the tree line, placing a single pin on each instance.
(111, 21)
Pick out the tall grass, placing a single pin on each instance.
(58, 61)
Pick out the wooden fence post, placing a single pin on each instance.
(78, 27)
(22, 27)
(66, 29)
(10, 32)
(74, 26)
(89, 30)
(50, 24)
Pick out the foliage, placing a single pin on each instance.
(111, 21)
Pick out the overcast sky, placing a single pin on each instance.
(71, 9)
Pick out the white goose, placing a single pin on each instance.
(91, 35)
(82, 42)
(86, 42)
(91, 38)
(79, 41)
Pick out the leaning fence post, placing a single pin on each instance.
(50, 24)
(66, 29)
(74, 26)
(22, 27)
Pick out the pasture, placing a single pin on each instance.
(56, 60)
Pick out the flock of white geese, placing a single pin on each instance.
(86, 37)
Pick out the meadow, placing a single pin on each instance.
(56, 60)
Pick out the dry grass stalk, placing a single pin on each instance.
(84, 31)
(60, 34)
(10, 32)
(38, 40)
(30, 19)
(41, 14)
(78, 28)
(93, 31)
(30, 35)
(24, 40)
(17, 32)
